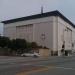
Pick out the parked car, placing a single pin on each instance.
(30, 54)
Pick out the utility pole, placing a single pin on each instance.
(41, 9)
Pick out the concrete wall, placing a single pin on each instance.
(44, 34)
(25, 32)
(65, 33)
(60, 34)
(39, 27)
(48, 31)
(44, 52)
(10, 31)
(55, 34)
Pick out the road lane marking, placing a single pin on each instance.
(38, 68)
(49, 65)
(64, 68)
(43, 68)
(33, 71)
(54, 66)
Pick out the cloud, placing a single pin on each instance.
(67, 8)
(17, 8)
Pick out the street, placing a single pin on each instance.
(37, 66)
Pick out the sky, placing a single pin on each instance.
(10, 9)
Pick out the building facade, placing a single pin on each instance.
(49, 29)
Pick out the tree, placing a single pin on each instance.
(34, 45)
(18, 45)
(4, 41)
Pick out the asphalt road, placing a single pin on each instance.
(37, 66)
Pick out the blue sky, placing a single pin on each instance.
(10, 9)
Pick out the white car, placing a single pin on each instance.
(30, 54)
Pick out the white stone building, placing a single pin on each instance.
(49, 29)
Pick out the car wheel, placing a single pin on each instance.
(35, 56)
